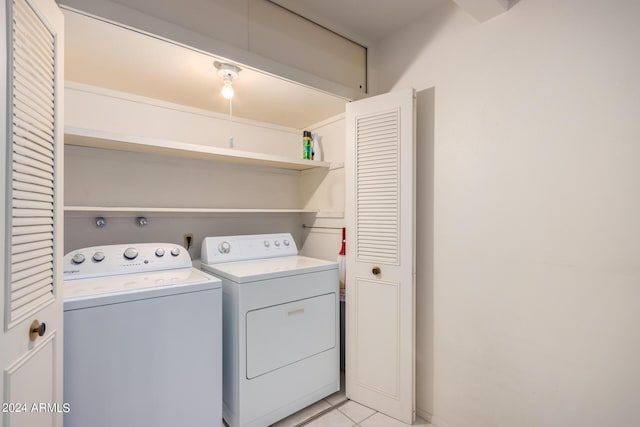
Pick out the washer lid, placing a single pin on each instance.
(263, 269)
(84, 293)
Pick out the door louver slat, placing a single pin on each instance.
(28, 195)
(20, 284)
(34, 287)
(30, 238)
(377, 139)
(31, 89)
(28, 91)
(44, 151)
(39, 268)
(32, 160)
(32, 68)
(32, 134)
(32, 113)
(20, 178)
(29, 50)
(32, 221)
(31, 229)
(31, 246)
(30, 255)
(29, 19)
(28, 204)
(30, 170)
(27, 157)
(17, 267)
(34, 298)
(32, 188)
(32, 213)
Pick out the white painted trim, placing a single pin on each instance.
(95, 90)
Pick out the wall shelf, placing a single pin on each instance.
(106, 140)
(147, 210)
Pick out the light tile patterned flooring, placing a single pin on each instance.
(337, 411)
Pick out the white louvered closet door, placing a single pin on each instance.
(31, 215)
(380, 284)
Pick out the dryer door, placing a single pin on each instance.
(283, 334)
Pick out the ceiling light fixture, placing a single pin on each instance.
(228, 72)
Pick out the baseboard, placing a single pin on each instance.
(439, 422)
(424, 415)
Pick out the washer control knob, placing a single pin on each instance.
(266, 244)
(98, 256)
(77, 259)
(130, 253)
(175, 251)
(286, 243)
(224, 247)
(277, 243)
(159, 252)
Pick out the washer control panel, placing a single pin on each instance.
(220, 249)
(98, 261)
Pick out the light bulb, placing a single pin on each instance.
(227, 90)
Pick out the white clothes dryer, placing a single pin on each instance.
(281, 342)
(142, 338)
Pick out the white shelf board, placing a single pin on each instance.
(112, 141)
(132, 209)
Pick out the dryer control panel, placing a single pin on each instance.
(220, 249)
(110, 260)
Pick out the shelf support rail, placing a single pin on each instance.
(324, 228)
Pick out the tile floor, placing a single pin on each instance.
(337, 411)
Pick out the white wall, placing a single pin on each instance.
(324, 190)
(81, 231)
(534, 174)
(91, 107)
(99, 177)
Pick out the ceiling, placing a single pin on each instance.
(366, 20)
(106, 55)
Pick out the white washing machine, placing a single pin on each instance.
(142, 338)
(281, 343)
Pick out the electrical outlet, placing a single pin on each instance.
(187, 240)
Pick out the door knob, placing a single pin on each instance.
(376, 271)
(36, 330)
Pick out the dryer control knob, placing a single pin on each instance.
(277, 243)
(130, 253)
(224, 247)
(266, 244)
(175, 251)
(77, 259)
(98, 256)
(286, 243)
(159, 252)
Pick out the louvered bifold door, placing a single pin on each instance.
(377, 187)
(31, 156)
(380, 282)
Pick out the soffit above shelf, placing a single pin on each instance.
(168, 71)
